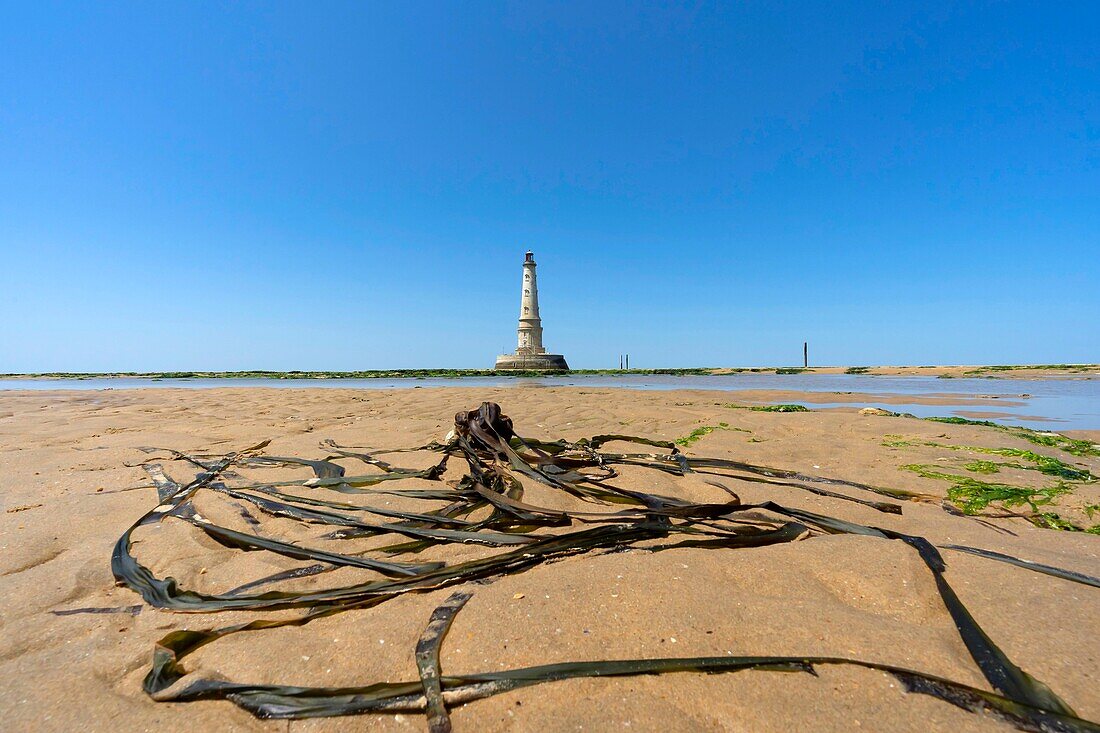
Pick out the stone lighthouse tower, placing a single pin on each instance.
(530, 353)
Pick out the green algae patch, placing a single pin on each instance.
(780, 408)
(1051, 440)
(698, 433)
(1043, 464)
(1073, 368)
(982, 467)
(1061, 442)
(973, 496)
(900, 444)
(1046, 465)
(1051, 520)
(964, 421)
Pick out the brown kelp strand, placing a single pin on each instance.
(1073, 575)
(427, 661)
(488, 508)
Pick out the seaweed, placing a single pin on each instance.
(499, 463)
(780, 408)
(1043, 464)
(964, 421)
(982, 467)
(427, 661)
(698, 433)
(1047, 465)
(1037, 567)
(973, 496)
(1038, 710)
(1074, 368)
(1053, 440)
(1072, 446)
(132, 610)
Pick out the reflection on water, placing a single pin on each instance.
(1051, 404)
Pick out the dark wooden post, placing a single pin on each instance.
(805, 353)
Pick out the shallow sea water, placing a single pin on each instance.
(1044, 404)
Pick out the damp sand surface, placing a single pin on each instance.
(62, 454)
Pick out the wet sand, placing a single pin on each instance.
(63, 453)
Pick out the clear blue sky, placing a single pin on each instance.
(353, 185)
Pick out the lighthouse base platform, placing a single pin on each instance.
(540, 362)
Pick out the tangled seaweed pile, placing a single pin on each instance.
(486, 507)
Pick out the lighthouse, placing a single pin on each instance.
(530, 353)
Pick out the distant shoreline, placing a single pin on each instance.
(945, 372)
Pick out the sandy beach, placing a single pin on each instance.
(546, 366)
(67, 494)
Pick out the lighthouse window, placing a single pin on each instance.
(526, 309)
(526, 276)
(526, 291)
